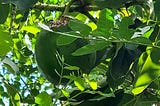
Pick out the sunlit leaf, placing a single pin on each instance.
(148, 71)
(31, 29)
(105, 23)
(5, 42)
(65, 93)
(93, 85)
(80, 84)
(43, 99)
(13, 93)
(92, 25)
(143, 32)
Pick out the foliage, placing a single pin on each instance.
(79, 52)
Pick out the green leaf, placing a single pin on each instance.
(79, 83)
(93, 85)
(22, 4)
(148, 32)
(4, 10)
(106, 94)
(143, 32)
(91, 48)
(43, 99)
(5, 42)
(65, 93)
(105, 23)
(124, 32)
(110, 3)
(149, 70)
(12, 67)
(13, 94)
(139, 10)
(127, 100)
(79, 26)
(64, 40)
(157, 9)
(119, 66)
(155, 35)
(46, 57)
(142, 40)
(71, 68)
(84, 62)
(31, 29)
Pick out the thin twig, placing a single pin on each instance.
(67, 8)
(13, 15)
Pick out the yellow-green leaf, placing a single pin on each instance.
(79, 84)
(93, 85)
(5, 42)
(31, 29)
(148, 71)
(13, 94)
(65, 93)
(43, 99)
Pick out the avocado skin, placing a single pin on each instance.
(45, 53)
(46, 57)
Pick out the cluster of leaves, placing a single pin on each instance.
(119, 65)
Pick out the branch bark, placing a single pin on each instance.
(73, 8)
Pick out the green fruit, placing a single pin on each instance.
(46, 56)
(45, 51)
(85, 62)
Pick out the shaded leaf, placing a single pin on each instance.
(142, 40)
(79, 26)
(124, 32)
(119, 66)
(11, 65)
(22, 4)
(64, 40)
(108, 101)
(84, 62)
(91, 48)
(155, 35)
(4, 10)
(110, 3)
(157, 9)
(127, 100)
(45, 52)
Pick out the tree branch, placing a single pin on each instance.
(73, 8)
(68, 7)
